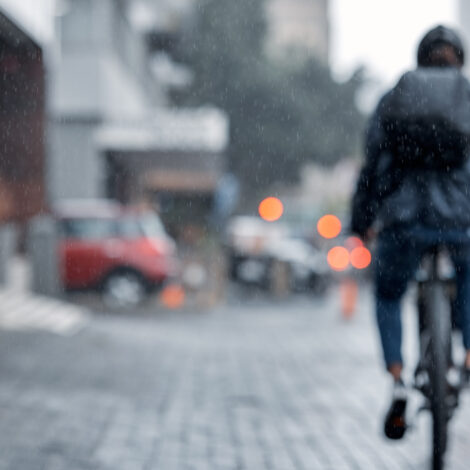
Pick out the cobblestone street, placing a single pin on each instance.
(286, 386)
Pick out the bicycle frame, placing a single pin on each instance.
(435, 341)
(430, 273)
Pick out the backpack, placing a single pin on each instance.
(426, 118)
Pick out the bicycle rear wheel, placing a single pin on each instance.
(438, 317)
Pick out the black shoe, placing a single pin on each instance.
(395, 420)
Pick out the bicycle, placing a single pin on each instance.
(433, 374)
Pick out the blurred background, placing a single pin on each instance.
(198, 110)
(170, 161)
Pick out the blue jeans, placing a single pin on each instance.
(398, 254)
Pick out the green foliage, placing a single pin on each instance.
(281, 116)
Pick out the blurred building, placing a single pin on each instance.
(173, 159)
(100, 71)
(464, 16)
(297, 29)
(111, 131)
(24, 31)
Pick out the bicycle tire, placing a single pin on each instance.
(439, 323)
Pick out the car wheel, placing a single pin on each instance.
(124, 289)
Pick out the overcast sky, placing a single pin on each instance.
(383, 34)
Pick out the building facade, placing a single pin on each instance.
(22, 110)
(100, 72)
(112, 132)
(464, 19)
(297, 29)
(174, 159)
(34, 17)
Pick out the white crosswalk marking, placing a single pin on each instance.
(25, 311)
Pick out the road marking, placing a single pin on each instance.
(24, 311)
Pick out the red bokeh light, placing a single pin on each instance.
(353, 242)
(361, 257)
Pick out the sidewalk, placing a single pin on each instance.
(265, 386)
(20, 309)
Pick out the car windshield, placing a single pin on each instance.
(129, 227)
(152, 226)
(89, 229)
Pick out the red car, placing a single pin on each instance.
(124, 252)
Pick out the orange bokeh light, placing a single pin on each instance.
(329, 226)
(173, 296)
(353, 242)
(361, 257)
(338, 258)
(271, 209)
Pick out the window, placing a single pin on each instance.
(152, 226)
(129, 227)
(89, 229)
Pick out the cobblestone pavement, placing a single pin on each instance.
(280, 387)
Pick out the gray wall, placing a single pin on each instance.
(464, 15)
(100, 73)
(75, 168)
(101, 67)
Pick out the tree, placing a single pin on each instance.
(281, 116)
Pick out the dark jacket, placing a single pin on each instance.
(393, 195)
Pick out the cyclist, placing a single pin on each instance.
(414, 191)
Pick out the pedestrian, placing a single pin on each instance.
(414, 192)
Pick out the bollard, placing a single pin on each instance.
(280, 278)
(7, 250)
(43, 252)
(348, 296)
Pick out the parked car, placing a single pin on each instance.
(254, 245)
(122, 251)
